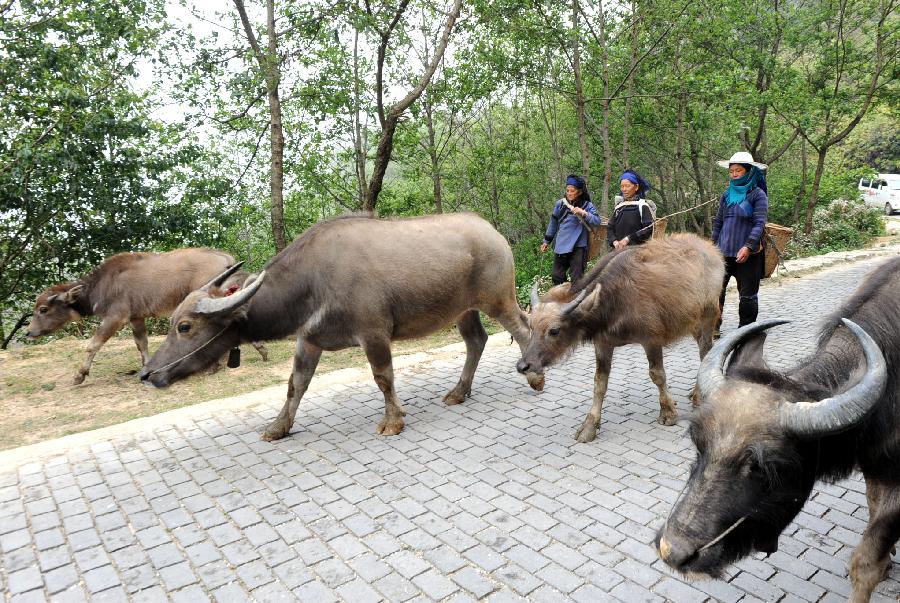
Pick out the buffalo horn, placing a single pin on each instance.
(570, 307)
(843, 411)
(535, 298)
(711, 374)
(221, 305)
(217, 281)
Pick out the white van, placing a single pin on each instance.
(881, 191)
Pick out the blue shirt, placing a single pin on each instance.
(570, 232)
(741, 224)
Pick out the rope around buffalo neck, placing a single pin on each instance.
(189, 354)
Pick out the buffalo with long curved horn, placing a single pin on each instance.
(764, 438)
(346, 282)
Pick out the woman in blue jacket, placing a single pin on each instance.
(569, 224)
(738, 230)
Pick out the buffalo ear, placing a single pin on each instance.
(748, 354)
(592, 302)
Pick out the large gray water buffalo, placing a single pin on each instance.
(652, 294)
(356, 281)
(127, 287)
(764, 438)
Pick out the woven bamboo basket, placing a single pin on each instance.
(776, 236)
(659, 227)
(596, 241)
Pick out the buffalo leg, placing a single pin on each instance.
(511, 317)
(474, 335)
(667, 412)
(378, 352)
(262, 349)
(108, 327)
(306, 358)
(871, 558)
(139, 330)
(704, 338)
(588, 430)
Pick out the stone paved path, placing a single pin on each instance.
(489, 500)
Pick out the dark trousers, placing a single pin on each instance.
(748, 276)
(576, 262)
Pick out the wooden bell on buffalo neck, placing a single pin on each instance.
(234, 358)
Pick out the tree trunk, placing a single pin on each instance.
(390, 119)
(359, 142)
(698, 178)
(801, 194)
(579, 95)
(432, 151)
(626, 118)
(607, 151)
(814, 193)
(382, 158)
(19, 324)
(554, 143)
(273, 78)
(269, 66)
(679, 157)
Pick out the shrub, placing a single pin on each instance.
(841, 225)
(531, 265)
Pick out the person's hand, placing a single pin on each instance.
(621, 243)
(579, 212)
(544, 247)
(742, 255)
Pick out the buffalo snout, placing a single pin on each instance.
(534, 375)
(677, 552)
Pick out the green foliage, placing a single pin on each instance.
(839, 226)
(85, 171)
(531, 264)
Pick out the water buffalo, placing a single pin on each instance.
(354, 281)
(652, 294)
(127, 287)
(764, 438)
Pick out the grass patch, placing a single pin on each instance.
(41, 403)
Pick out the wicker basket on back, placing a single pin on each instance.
(597, 237)
(776, 239)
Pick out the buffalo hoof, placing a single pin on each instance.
(667, 417)
(78, 379)
(456, 396)
(536, 381)
(586, 433)
(695, 397)
(389, 427)
(274, 432)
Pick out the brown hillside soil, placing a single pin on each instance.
(40, 402)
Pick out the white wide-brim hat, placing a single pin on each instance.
(741, 157)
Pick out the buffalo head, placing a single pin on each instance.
(203, 329)
(757, 435)
(53, 309)
(556, 328)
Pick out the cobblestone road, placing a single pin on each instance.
(489, 500)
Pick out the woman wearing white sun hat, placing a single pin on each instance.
(738, 230)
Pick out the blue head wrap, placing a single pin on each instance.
(739, 187)
(575, 181)
(635, 178)
(579, 183)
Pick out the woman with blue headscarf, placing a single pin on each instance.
(632, 219)
(569, 223)
(738, 230)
